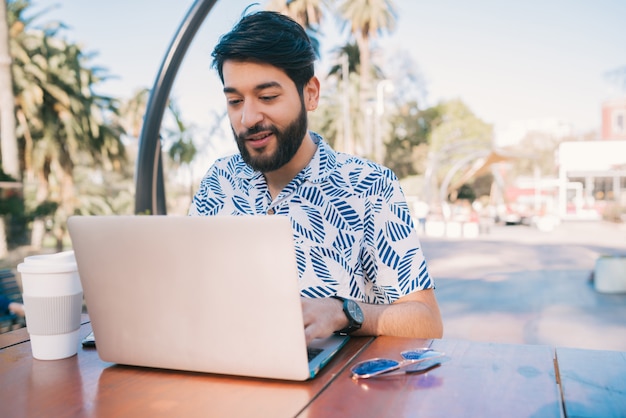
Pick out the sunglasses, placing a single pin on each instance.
(383, 366)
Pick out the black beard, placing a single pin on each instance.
(288, 143)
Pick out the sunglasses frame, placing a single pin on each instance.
(409, 359)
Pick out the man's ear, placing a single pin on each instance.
(312, 94)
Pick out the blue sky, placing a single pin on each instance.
(508, 61)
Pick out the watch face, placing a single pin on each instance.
(355, 311)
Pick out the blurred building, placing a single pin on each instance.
(614, 119)
(592, 174)
(591, 182)
(592, 177)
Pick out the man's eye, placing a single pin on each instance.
(268, 98)
(233, 102)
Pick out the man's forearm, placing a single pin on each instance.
(415, 316)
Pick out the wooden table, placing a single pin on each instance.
(85, 386)
(475, 380)
(593, 382)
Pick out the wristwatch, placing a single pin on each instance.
(353, 313)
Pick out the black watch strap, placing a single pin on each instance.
(354, 314)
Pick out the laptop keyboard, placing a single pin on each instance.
(313, 352)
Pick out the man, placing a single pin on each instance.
(361, 267)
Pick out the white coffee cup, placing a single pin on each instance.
(53, 301)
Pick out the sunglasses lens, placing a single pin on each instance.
(420, 354)
(373, 366)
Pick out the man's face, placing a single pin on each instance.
(267, 115)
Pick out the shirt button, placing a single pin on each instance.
(270, 211)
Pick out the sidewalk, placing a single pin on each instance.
(521, 285)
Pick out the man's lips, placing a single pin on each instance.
(259, 140)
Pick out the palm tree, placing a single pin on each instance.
(8, 140)
(133, 110)
(61, 119)
(85, 127)
(343, 83)
(367, 19)
(182, 150)
(351, 51)
(307, 13)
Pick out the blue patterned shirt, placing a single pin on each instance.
(352, 228)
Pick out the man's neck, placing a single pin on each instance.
(277, 180)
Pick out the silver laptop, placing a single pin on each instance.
(205, 294)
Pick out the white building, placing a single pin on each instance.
(591, 173)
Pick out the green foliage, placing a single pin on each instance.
(16, 220)
(351, 51)
(466, 192)
(456, 137)
(328, 120)
(182, 149)
(12, 211)
(62, 123)
(45, 209)
(408, 148)
(11, 204)
(4, 176)
(459, 131)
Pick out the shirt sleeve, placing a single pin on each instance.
(4, 304)
(210, 197)
(394, 262)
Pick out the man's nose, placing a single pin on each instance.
(250, 115)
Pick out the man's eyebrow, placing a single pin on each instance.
(267, 85)
(257, 88)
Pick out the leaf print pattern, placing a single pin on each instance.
(352, 228)
(242, 205)
(310, 226)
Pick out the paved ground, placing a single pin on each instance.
(521, 285)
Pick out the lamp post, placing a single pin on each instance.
(382, 87)
(348, 141)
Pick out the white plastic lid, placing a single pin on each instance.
(49, 263)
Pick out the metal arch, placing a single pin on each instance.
(443, 190)
(149, 185)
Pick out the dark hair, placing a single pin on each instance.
(270, 38)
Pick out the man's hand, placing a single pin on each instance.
(322, 317)
(17, 309)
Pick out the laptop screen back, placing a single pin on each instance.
(205, 294)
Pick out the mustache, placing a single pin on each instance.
(255, 130)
